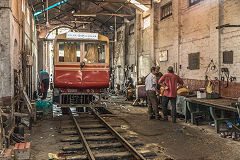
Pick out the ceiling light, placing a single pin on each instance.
(84, 15)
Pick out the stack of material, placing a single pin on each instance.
(22, 151)
(44, 106)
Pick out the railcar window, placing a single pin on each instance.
(69, 52)
(94, 53)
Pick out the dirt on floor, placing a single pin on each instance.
(181, 141)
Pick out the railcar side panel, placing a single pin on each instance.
(81, 79)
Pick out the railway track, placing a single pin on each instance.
(87, 136)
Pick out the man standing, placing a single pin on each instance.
(150, 84)
(44, 80)
(170, 81)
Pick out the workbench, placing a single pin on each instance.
(208, 107)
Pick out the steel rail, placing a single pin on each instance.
(82, 138)
(127, 145)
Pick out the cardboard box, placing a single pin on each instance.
(22, 151)
(201, 94)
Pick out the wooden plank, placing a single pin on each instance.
(28, 102)
(20, 114)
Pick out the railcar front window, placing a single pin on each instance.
(69, 52)
(94, 53)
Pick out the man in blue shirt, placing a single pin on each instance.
(44, 80)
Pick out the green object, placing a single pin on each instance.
(43, 105)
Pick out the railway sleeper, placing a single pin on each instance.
(88, 121)
(91, 126)
(94, 138)
(101, 146)
(95, 126)
(105, 138)
(90, 132)
(113, 156)
(103, 131)
(71, 132)
(68, 128)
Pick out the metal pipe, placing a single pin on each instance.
(136, 45)
(47, 11)
(220, 14)
(115, 28)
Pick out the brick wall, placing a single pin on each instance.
(192, 29)
(230, 37)
(166, 35)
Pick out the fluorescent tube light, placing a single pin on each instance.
(139, 5)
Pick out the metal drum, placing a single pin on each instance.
(141, 91)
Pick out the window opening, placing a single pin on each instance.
(94, 52)
(166, 10)
(228, 57)
(69, 52)
(193, 61)
(146, 22)
(193, 2)
(131, 29)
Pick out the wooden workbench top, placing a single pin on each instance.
(221, 103)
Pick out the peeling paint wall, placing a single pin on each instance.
(145, 43)
(119, 57)
(16, 37)
(5, 57)
(125, 55)
(130, 58)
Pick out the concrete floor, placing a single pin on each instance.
(192, 142)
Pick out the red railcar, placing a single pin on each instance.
(81, 67)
